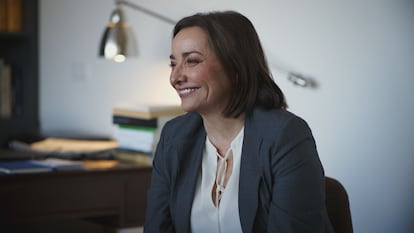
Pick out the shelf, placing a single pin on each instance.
(13, 36)
(19, 51)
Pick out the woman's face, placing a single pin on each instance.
(196, 73)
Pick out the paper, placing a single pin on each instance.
(63, 146)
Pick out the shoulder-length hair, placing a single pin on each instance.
(235, 42)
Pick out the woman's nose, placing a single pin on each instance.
(177, 75)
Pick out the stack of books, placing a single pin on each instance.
(138, 128)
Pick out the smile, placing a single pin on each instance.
(186, 91)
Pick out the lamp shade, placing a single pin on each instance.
(118, 41)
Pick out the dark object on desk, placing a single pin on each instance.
(337, 203)
(8, 155)
(22, 167)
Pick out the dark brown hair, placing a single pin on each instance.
(235, 42)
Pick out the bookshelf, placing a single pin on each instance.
(19, 50)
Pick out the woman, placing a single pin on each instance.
(237, 161)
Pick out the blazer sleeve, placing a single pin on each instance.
(158, 217)
(298, 189)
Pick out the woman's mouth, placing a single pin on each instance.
(186, 92)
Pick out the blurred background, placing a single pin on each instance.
(360, 54)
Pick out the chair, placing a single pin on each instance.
(337, 204)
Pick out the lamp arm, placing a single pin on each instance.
(296, 79)
(146, 11)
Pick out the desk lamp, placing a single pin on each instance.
(118, 41)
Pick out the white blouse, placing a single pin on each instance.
(205, 217)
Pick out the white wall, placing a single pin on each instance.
(361, 53)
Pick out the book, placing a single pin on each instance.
(16, 92)
(133, 157)
(146, 111)
(124, 120)
(138, 127)
(14, 15)
(57, 164)
(3, 15)
(6, 91)
(22, 167)
(2, 67)
(136, 138)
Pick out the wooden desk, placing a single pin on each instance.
(114, 196)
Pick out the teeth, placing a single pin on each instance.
(188, 90)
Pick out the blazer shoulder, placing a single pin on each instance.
(274, 117)
(273, 121)
(183, 126)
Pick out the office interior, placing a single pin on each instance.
(359, 54)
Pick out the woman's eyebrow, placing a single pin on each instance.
(186, 54)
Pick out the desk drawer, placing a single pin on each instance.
(60, 196)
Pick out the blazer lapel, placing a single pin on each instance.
(249, 177)
(190, 153)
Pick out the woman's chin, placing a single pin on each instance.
(187, 107)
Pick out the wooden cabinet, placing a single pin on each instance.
(114, 197)
(19, 49)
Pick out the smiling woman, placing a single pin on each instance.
(238, 161)
(197, 74)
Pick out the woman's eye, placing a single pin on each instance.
(172, 64)
(192, 62)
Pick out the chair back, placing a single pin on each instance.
(337, 204)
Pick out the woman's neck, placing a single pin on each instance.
(222, 130)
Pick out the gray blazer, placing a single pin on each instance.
(282, 185)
